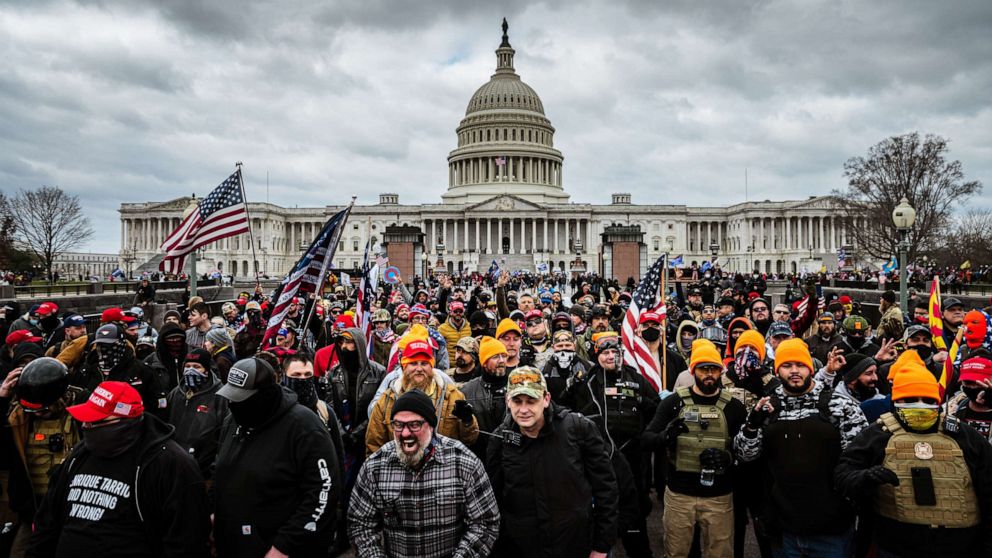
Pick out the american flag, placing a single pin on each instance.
(500, 161)
(307, 275)
(221, 214)
(365, 296)
(646, 299)
(494, 270)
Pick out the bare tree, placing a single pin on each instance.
(898, 167)
(971, 239)
(49, 223)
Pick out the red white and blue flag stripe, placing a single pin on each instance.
(221, 214)
(646, 298)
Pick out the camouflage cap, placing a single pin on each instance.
(526, 380)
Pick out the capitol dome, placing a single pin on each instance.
(505, 142)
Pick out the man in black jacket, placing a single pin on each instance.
(115, 361)
(354, 381)
(487, 393)
(127, 488)
(196, 411)
(167, 360)
(552, 477)
(274, 479)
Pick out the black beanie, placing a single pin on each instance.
(889, 296)
(416, 402)
(200, 356)
(855, 366)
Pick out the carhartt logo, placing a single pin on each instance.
(237, 378)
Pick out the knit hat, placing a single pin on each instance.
(976, 369)
(490, 347)
(905, 360)
(855, 365)
(201, 357)
(793, 350)
(417, 350)
(752, 338)
(704, 352)
(507, 325)
(418, 403)
(915, 381)
(219, 337)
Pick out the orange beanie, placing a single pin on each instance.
(752, 338)
(793, 350)
(704, 352)
(490, 347)
(915, 380)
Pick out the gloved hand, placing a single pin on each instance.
(463, 411)
(671, 432)
(879, 475)
(715, 459)
(760, 414)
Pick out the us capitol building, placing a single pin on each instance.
(506, 201)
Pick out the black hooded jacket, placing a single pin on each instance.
(169, 370)
(276, 485)
(170, 497)
(198, 418)
(353, 414)
(136, 373)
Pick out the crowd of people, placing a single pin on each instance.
(498, 416)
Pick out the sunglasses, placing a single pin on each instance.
(533, 322)
(414, 425)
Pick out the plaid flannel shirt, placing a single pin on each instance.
(446, 509)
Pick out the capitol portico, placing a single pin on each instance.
(506, 201)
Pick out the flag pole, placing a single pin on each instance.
(328, 255)
(663, 291)
(251, 238)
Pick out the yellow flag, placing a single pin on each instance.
(966, 264)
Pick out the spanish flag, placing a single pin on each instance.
(936, 316)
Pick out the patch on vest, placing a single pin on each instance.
(923, 450)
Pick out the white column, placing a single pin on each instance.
(545, 225)
(499, 240)
(489, 236)
(513, 239)
(533, 235)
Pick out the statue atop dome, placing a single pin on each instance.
(506, 38)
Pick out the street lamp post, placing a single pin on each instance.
(903, 216)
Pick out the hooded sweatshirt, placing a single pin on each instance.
(352, 392)
(678, 338)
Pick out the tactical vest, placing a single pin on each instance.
(49, 442)
(957, 505)
(707, 426)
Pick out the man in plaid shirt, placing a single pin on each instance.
(422, 494)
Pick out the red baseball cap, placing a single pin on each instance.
(343, 321)
(417, 348)
(47, 309)
(117, 399)
(976, 369)
(296, 300)
(535, 313)
(456, 305)
(21, 336)
(649, 317)
(844, 299)
(112, 315)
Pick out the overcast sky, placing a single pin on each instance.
(128, 101)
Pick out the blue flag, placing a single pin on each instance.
(493, 271)
(676, 261)
(891, 265)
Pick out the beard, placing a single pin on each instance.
(416, 382)
(411, 459)
(799, 390)
(462, 362)
(707, 388)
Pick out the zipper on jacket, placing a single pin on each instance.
(137, 501)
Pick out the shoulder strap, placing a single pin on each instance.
(725, 398)
(890, 422)
(685, 394)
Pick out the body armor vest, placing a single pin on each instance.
(957, 505)
(49, 443)
(707, 426)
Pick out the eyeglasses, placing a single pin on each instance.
(533, 322)
(781, 311)
(525, 378)
(413, 425)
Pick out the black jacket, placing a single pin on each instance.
(198, 418)
(546, 487)
(902, 539)
(369, 377)
(621, 404)
(169, 370)
(487, 395)
(170, 495)
(274, 485)
(141, 377)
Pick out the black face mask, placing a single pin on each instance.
(348, 358)
(304, 388)
(974, 392)
(651, 334)
(49, 323)
(925, 351)
(112, 440)
(257, 409)
(855, 342)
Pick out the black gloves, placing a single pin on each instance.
(716, 459)
(758, 417)
(671, 432)
(463, 411)
(879, 475)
